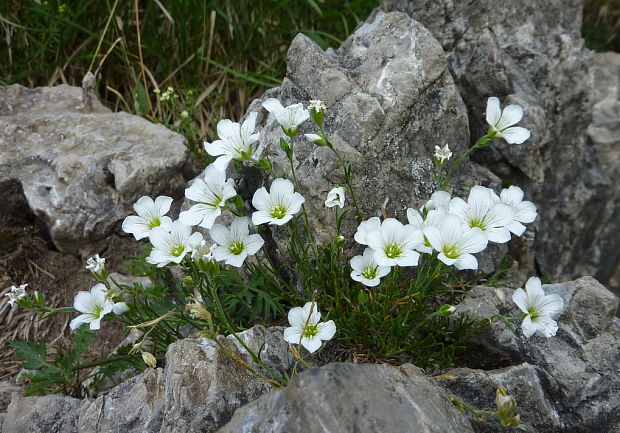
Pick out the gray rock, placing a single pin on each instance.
(135, 406)
(343, 398)
(531, 53)
(46, 414)
(390, 99)
(81, 172)
(197, 391)
(579, 368)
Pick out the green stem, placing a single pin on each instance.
(102, 362)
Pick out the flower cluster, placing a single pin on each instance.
(452, 228)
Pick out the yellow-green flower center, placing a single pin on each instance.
(311, 330)
(177, 250)
(393, 250)
(533, 313)
(153, 222)
(451, 251)
(477, 223)
(278, 212)
(97, 311)
(370, 272)
(236, 248)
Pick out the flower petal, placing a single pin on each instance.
(494, 113)
(515, 135)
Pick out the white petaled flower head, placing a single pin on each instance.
(289, 117)
(235, 244)
(439, 199)
(150, 215)
(95, 264)
(456, 242)
(366, 270)
(235, 141)
(16, 294)
(202, 251)
(539, 309)
(395, 243)
(278, 205)
(366, 227)
(524, 211)
(93, 305)
(484, 210)
(306, 327)
(211, 194)
(317, 105)
(443, 153)
(120, 308)
(501, 122)
(433, 219)
(172, 246)
(335, 197)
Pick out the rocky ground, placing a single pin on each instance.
(414, 75)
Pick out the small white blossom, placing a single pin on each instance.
(120, 308)
(484, 210)
(203, 252)
(540, 310)
(95, 264)
(501, 122)
(456, 242)
(16, 294)
(211, 195)
(93, 305)
(150, 215)
(317, 105)
(395, 243)
(184, 114)
(235, 141)
(442, 153)
(278, 205)
(524, 211)
(236, 243)
(366, 227)
(433, 219)
(335, 197)
(439, 200)
(172, 246)
(306, 327)
(289, 117)
(366, 270)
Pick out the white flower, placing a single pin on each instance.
(277, 206)
(335, 198)
(235, 141)
(366, 270)
(120, 308)
(483, 210)
(172, 246)
(203, 252)
(524, 211)
(456, 242)
(540, 309)
(366, 227)
(439, 199)
(184, 114)
(317, 105)
(306, 327)
(317, 139)
(211, 195)
(500, 122)
(235, 243)
(150, 215)
(433, 219)
(16, 294)
(93, 305)
(289, 117)
(95, 264)
(395, 243)
(442, 153)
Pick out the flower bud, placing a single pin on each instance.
(445, 310)
(317, 139)
(149, 359)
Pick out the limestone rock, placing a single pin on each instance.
(579, 368)
(46, 414)
(390, 99)
(531, 53)
(81, 172)
(343, 398)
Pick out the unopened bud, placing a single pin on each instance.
(446, 310)
(149, 359)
